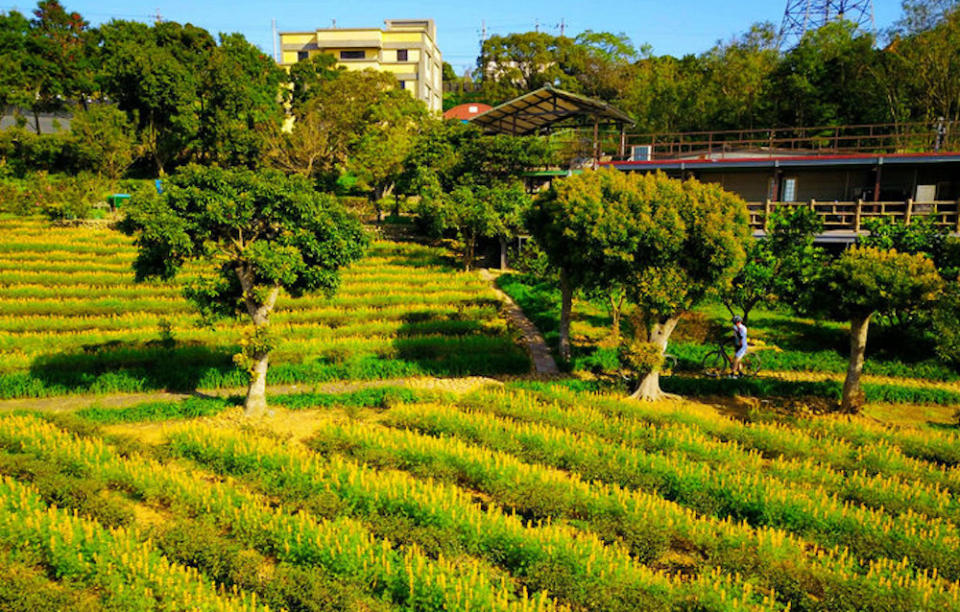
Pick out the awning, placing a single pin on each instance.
(540, 109)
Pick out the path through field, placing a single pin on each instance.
(543, 361)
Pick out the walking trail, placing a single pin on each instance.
(543, 362)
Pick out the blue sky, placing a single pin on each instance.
(676, 28)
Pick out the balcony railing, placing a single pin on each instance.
(851, 216)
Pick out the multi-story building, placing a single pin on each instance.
(406, 48)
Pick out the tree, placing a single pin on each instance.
(865, 281)
(668, 243)
(14, 80)
(488, 211)
(450, 157)
(922, 15)
(310, 75)
(103, 140)
(779, 266)
(240, 103)
(58, 61)
(384, 134)
(152, 74)
(260, 234)
(364, 124)
(514, 64)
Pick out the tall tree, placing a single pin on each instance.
(152, 74)
(261, 233)
(240, 103)
(14, 78)
(103, 140)
(308, 76)
(58, 58)
(865, 281)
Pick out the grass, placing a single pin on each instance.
(785, 343)
(76, 322)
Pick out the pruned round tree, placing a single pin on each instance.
(255, 234)
(668, 243)
(865, 281)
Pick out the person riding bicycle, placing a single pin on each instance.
(740, 342)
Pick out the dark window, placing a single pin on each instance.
(403, 84)
(401, 55)
(352, 54)
(302, 55)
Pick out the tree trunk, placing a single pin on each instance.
(36, 121)
(659, 334)
(616, 311)
(469, 246)
(503, 252)
(259, 311)
(256, 402)
(852, 400)
(566, 305)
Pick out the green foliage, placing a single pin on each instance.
(866, 280)
(189, 408)
(640, 358)
(946, 324)
(104, 140)
(921, 236)
(240, 103)
(779, 267)
(309, 76)
(667, 243)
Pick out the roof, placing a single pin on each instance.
(466, 111)
(806, 161)
(537, 110)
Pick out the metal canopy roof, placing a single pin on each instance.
(537, 110)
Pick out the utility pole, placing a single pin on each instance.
(273, 25)
(562, 26)
(158, 18)
(483, 30)
(536, 26)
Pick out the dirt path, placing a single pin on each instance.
(543, 362)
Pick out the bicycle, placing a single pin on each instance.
(716, 363)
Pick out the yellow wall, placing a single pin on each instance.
(376, 56)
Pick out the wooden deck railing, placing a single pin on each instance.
(851, 216)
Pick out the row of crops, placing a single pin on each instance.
(72, 319)
(529, 496)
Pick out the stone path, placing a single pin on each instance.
(543, 362)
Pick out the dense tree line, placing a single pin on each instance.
(168, 94)
(835, 75)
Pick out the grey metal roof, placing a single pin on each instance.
(534, 111)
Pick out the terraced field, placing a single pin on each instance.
(430, 493)
(73, 320)
(529, 496)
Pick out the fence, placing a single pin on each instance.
(850, 216)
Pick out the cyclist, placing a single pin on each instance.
(740, 342)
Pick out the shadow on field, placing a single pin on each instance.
(458, 344)
(118, 367)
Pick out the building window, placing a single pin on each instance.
(352, 54)
(789, 190)
(401, 55)
(302, 55)
(403, 84)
